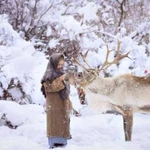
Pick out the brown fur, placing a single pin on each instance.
(136, 79)
(145, 109)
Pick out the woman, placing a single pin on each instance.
(58, 105)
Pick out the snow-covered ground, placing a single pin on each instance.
(91, 131)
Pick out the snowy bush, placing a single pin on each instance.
(19, 62)
(13, 115)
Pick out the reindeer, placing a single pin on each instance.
(125, 93)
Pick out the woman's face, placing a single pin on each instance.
(60, 64)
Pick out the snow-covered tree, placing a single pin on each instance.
(19, 60)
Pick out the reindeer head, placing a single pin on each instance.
(80, 78)
(88, 75)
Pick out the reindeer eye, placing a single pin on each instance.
(79, 74)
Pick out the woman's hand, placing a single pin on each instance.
(64, 77)
(61, 78)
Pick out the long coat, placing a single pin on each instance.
(58, 110)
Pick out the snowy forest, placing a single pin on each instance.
(32, 30)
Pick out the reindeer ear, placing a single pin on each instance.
(85, 55)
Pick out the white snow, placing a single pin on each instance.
(91, 131)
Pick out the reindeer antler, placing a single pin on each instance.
(116, 59)
(84, 59)
(106, 63)
(77, 62)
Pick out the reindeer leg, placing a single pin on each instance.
(128, 123)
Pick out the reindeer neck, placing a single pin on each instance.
(101, 85)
